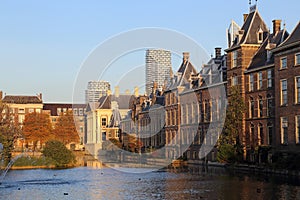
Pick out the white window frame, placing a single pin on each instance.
(281, 92)
(260, 135)
(260, 36)
(281, 62)
(21, 110)
(259, 80)
(282, 126)
(297, 89)
(297, 62)
(234, 80)
(251, 82)
(260, 108)
(270, 78)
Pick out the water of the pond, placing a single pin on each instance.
(106, 183)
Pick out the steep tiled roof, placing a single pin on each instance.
(22, 99)
(249, 30)
(183, 75)
(122, 100)
(293, 38)
(260, 58)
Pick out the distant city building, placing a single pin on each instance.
(56, 109)
(21, 105)
(95, 90)
(158, 68)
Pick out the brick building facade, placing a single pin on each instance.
(287, 93)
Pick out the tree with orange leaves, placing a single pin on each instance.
(37, 127)
(65, 129)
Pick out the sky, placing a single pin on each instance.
(43, 45)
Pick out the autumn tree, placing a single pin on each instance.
(65, 129)
(134, 143)
(37, 127)
(230, 147)
(9, 131)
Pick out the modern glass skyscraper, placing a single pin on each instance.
(158, 68)
(95, 90)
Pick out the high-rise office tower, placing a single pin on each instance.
(158, 68)
(95, 90)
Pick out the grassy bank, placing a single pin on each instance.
(33, 161)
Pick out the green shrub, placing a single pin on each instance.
(226, 153)
(57, 151)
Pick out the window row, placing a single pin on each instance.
(258, 110)
(284, 91)
(284, 61)
(259, 80)
(207, 111)
(284, 124)
(259, 135)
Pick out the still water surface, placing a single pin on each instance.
(106, 183)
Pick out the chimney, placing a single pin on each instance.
(276, 25)
(117, 91)
(40, 96)
(186, 56)
(218, 52)
(136, 91)
(245, 17)
(127, 92)
(1, 95)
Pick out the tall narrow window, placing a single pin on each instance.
(297, 134)
(283, 63)
(260, 106)
(284, 130)
(251, 107)
(252, 133)
(201, 110)
(297, 59)
(234, 59)
(234, 80)
(183, 114)
(260, 37)
(270, 134)
(283, 84)
(269, 106)
(297, 89)
(251, 82)
(270, 78)
(261, 135)
(207, 111)
(103, 121)
(260, 80)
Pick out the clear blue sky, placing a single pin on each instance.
(43, 44)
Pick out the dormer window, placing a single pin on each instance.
(260, 36)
